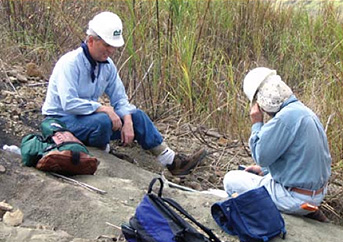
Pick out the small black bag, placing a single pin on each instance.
(155, 220)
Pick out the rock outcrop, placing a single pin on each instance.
(57, 210)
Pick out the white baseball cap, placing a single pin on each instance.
(108, 26)
(253, 80)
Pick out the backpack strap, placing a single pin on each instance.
(152, 184)
(175, 205)
(208, 231)
(75, 157)
(53, 146)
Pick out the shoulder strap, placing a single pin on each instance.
(177, 206)
(53, 146)
(152, 184)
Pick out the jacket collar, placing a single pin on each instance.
(91, 60)
(291, 99)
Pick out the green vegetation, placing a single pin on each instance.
(188, 58)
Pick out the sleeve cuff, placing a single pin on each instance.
(95, 106)
(264, 170)
(129, 109)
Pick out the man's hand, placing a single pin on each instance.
(254, 169)
(127, 133)
(116, 121)
(256, 114)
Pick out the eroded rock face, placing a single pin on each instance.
(22, 92)
(55, 210)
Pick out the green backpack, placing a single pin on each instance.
(57, 150)
(32, 149)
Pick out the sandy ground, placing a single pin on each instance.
(56, 210)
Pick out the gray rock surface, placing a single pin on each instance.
(56, 210)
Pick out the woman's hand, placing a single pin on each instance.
(256, 115)
(256, 169)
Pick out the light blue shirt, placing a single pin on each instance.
(72, 92)
(293, 147)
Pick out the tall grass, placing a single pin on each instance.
(188, 58)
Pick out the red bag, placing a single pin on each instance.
(61, 162)
(67, 156)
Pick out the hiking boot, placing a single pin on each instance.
(183, 165)
(318, 215)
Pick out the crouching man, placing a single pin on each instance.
(82, 76)
(291, 148)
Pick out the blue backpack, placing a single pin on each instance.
(252, 216)
(157, 219)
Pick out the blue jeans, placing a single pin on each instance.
(96, 129)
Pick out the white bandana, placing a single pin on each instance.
(272, 93)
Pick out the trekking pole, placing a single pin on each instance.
(82, 184)
(174, 185)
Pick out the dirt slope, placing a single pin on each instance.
(55, 210)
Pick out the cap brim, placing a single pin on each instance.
(119, 42)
